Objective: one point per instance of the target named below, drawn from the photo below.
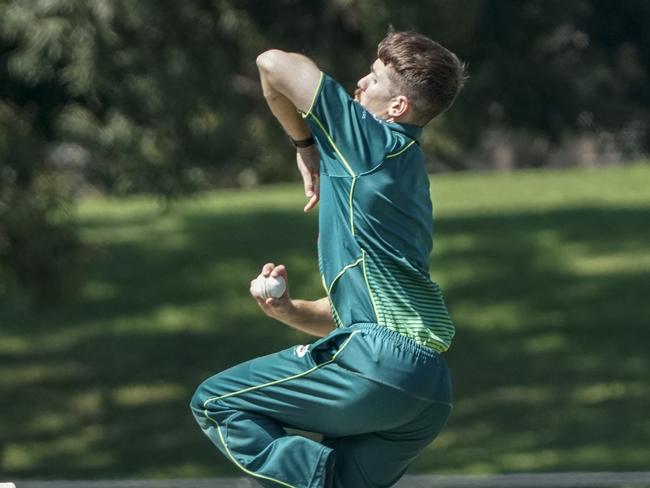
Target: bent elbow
(268, 60)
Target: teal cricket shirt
(375, 220)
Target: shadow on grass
(549, 359)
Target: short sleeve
(358, 140)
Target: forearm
(313, 317)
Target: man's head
(412, 80)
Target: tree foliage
(163, 96)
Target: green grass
(547, 276)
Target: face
(375, 92)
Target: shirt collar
(410, 130)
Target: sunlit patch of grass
(590, 264)
(496, 316)
(41, 373)
(603, 392)
(540, 189)
(150, 395)
(26, 456)
(545, 343)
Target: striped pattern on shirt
(409, 302)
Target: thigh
(310, 392)
(380, 459)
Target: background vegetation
(123, 274)
(546, 274)
(163, 97)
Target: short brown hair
(428, 74)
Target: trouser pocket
(328, 347)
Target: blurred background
(144, 182)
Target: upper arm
(293, 75)
(341, 125)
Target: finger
(309, 185)
(316, 196)
(311, 203)
(279, 270)
(306, 180)
(317, 184)
(268, 267)
(251, 290)
(315, 180)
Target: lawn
(546, 274)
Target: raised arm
(289, 82)
(292, 75)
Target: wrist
(292, 312)
(303, 143)
(308, 151)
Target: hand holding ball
(271, 287)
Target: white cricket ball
(269, 287)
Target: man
(376, 385)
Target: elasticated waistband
(406, 343)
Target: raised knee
(198, 400)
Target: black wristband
(303, 142)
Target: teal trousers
(377, 397)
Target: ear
(399, 106)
